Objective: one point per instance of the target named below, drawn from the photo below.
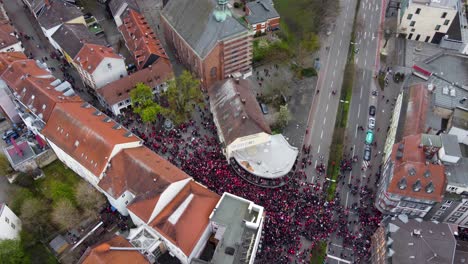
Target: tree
(88, 198)
(183, 94)
(33, 214)
(12, 252)
(65, 214)
(5, 167)
(283, 116)
(311, 43)
(143, 103)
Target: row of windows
(418, 11)
(8, 222)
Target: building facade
(10, 224)
(262, 16)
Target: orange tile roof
(85, 134)
(140, 171)
(413, 158)
(91, 55)
(188, 229)
(102, 254)
(7, 58)
(119, 90)
(140, 39)
(415, 121)
(7, 37)
(33, 87)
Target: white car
(371, 123)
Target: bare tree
(33, 213)
(65, 214)
(88, 198)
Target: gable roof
(35, 5)
(7, 58)
(115, 5)
(85, 134)
(186, 217)
(412, 176)
(195, 23)
(7, 35)
(57, 13)
(72, 37)
(236, 110)
(140, 39)
(417, 106)
(260, 11)
(141, 171)
(103, 254)
(117, 91)
(91, 55)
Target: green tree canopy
(283, 116)
(143, 103)
(12, 252)
(34, 214)
(183, 94)
(65, 214)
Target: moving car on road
(371, 123)
(367, 153)
(372, 110)
(369, 137)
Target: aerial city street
(234, 131)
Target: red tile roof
(33, 87)
(140, 171)
(418, 103)
(85, 134)
(7, 58)
(140, 39)
(119, 90)
(7, 37)
(413, 160)
(102, 254)
(91, 55)
(192, 222)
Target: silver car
(371, 123)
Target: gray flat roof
(450, 144)
(435, 244)
(231, 213)
(270, 160)
(261, 11)
(460, 118)
(195, 23)
(25, 153)
(456, 174)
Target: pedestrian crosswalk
(365, 165)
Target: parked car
(369, 137)
(264, 108)
(2, 118)
(372, 110)
(371, 123)
(367, 153)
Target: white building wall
(118, 15)
(104, 74)
(425, 22)
(462, 134)
(10, 224)
(48, 33)
(121, 202)
(447, 158)
(15, 47)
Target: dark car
(264, 108)
(367, 153)
(8, 135)
(372, 110)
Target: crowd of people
(298, 215)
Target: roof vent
(107, 119)
(399, 155)
(244, 117)
(117, 126)
(128, 134)
(401, 146)
(427, 173)
(243, 100)
(417, 186)
(416, 232)
(430, 187)
(97, 113)
(412, 171)
(402, 184)
(86, 105)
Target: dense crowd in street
(297, 209)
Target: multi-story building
(10, 224)
(118, 7)
(207, 39)
(116, 95)
(427, 20)
(9, 40)
(99, 65)
(403, 240)
(262, 16)
(247, 141)
(412, 180)
(140, 39)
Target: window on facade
(123, 195)
(452, 220)
(444, 15)
(446, 22)
(457, 214)
(409, 16)
(418, 11)
(109, 65)
(438, 213)
(213, 72)
(422, 207)
(412, 205)
(443, 208)
(412, 23)
(434, 218)
(13, 226)
(126, 202)
(7, 220)
(120, 104)
(462, 209)
(448, 202)
(403, 204)
(437, 27)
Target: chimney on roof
(244, 117)
(417, 186)
(237, 80)
(430, 187)
(402, 184)
(243, 100)
(416, 233)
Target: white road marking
(324, 120)
(331, 84)
(354, 147)
(341, 42)
(365, 34)
(357, 60)
(347, 196)
(364, 16)
(359, 110)
(360, 95)
(338, 53)
(366, 52)
(336, 63)
(315, 164)
(363, 73)
(329, 95)
(333, 72)
(321, 135)
(365, 62)
(326, 110)
(318, 150)
(355, 132)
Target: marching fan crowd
(297, 209)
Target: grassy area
(264, 50)
(319, 253)
(336, 149)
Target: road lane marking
(366, 52)
(318, 150)
(354, 147)
(329, 95)
(357, 60)
(365, 62)
(326, 110)
(359, 110)
(341, 42)
(364, 16)
(355, 132)
(360, 95)
(363, 73)
(315, 167)
(324, 120)
(338, 53)
(333, 72)
(331, 84)
(336, 63)
(321, 135)
(347, 196)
